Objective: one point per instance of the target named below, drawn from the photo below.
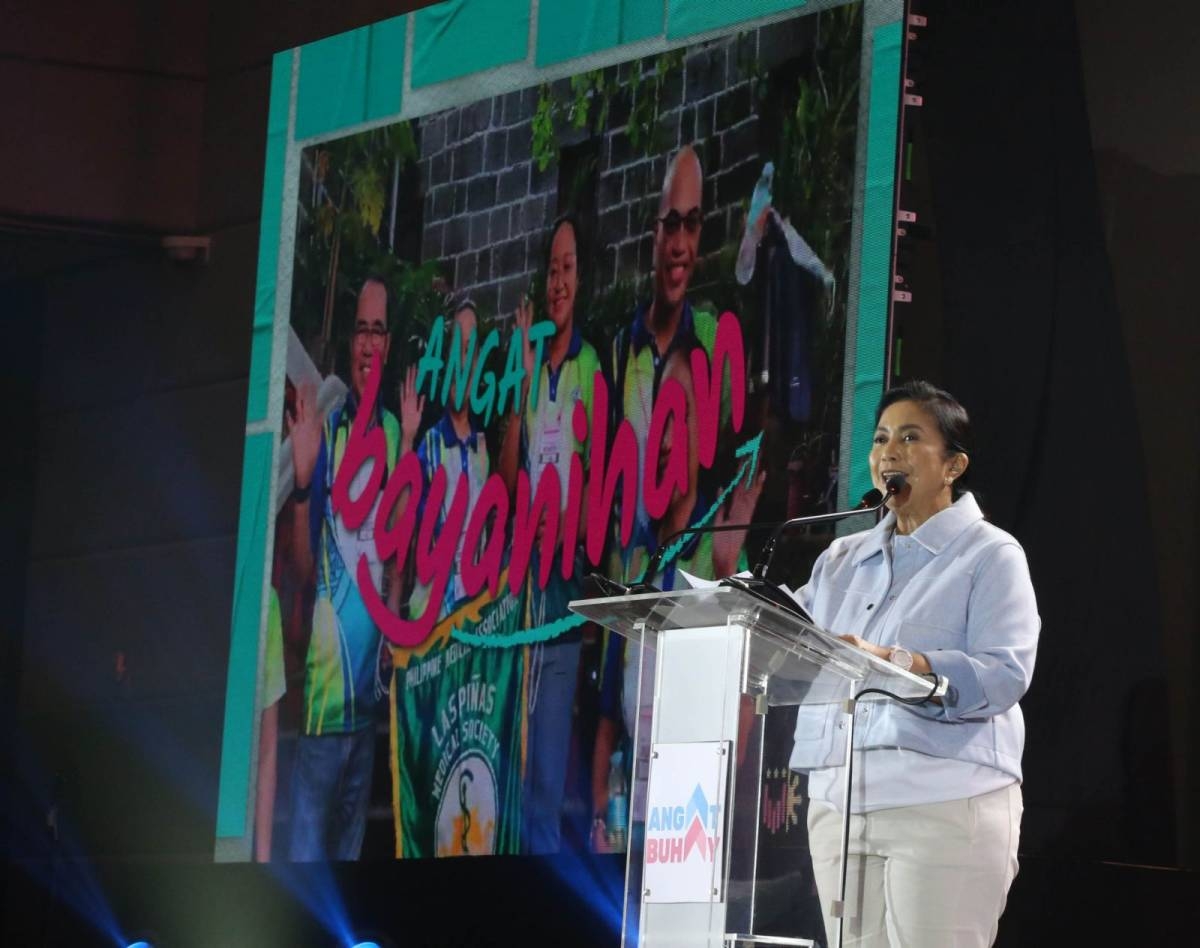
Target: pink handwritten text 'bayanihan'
(611, 475)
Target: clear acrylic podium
(704, 665)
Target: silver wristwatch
(901, 657)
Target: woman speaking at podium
(936, 795)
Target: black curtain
(22, 304)
(1033, 347)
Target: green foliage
(417, 292)
(544, 141)
(646, 101)
(348, 194)
(814, 188)
(590, 101)
(582, 181)
(584, 88)
(810, 113)
(719, 290)
(366, 189)
(814, 170)
(610, 309)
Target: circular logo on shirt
(466, 815)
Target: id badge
(550, 444)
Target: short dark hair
(459, 300)
(455, 302)
(388, 296)
(951, 418)
(566, 219)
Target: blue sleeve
(806, 595)
(422, 452)
(318, 497)
(993, 672)
(611, 672)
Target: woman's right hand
(599, 837)
(412, 409)
(305, 435)
(524, 321)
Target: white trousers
(933, 876)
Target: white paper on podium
(695, 582)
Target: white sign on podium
(685, 822)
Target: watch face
(901, 658)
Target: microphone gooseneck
(871, 502)
(871, 498)
(643, 584)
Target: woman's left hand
(920, 665)
(728, 544)
(877, 650)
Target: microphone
(872, 501)
(598, 586)
(894, 484)
(757, 584)
(643, 584)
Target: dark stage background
(1057, 165)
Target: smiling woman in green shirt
(541, 441)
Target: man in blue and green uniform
(656, 344)
(666, 327)
(335, 751)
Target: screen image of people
(530, 342)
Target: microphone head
(599, 586)
(896, 483)
(871, 498)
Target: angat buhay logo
(679, 833)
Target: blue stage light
(139, 944)
(370, 938)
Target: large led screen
(537, 293)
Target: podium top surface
(789, 657)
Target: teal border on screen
(875, 255)
(343, 83)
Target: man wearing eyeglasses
(663, 332)
(335, 751)
(665, 325)
(659, 342)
